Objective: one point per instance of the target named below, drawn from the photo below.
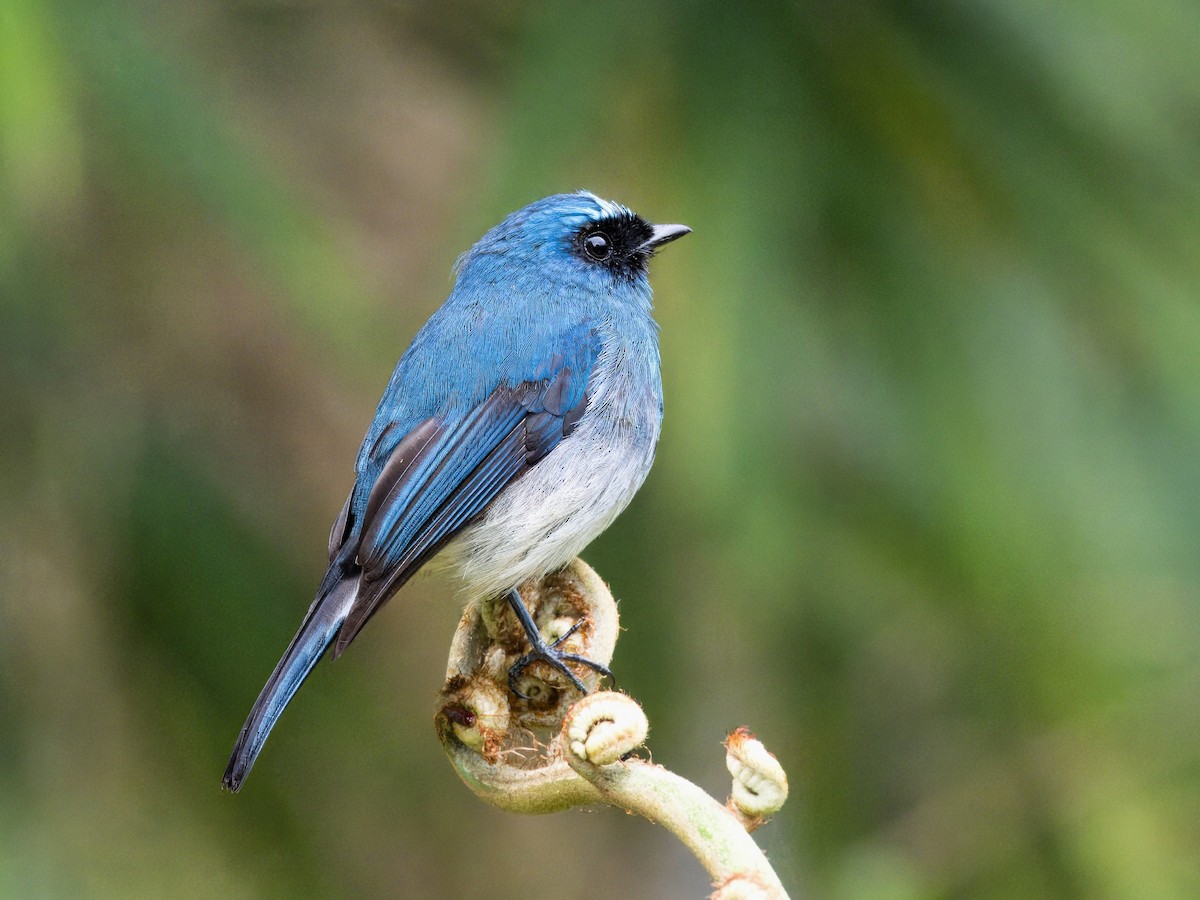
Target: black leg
(547, 653)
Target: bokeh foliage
(927, 505)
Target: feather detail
(447, 477)
(320, 627)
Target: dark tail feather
(320, 627)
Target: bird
(518, 424)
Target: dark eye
(597, 246)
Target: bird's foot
(541, 651)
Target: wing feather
(442, 475)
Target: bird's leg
(547, 653)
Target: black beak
(663, 234)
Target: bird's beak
(663, 234)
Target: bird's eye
(597, 246)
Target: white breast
(543, 520)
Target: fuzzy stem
(554, 750)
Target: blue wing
(441, 475)
(415, 491)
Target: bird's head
(577, 239)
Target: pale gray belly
(544, 519)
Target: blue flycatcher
(515, 428)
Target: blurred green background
(927, 504)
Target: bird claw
(540, 651)
(557, 660)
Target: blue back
(522, 305)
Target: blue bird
(518, 424)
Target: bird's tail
(321, 625)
